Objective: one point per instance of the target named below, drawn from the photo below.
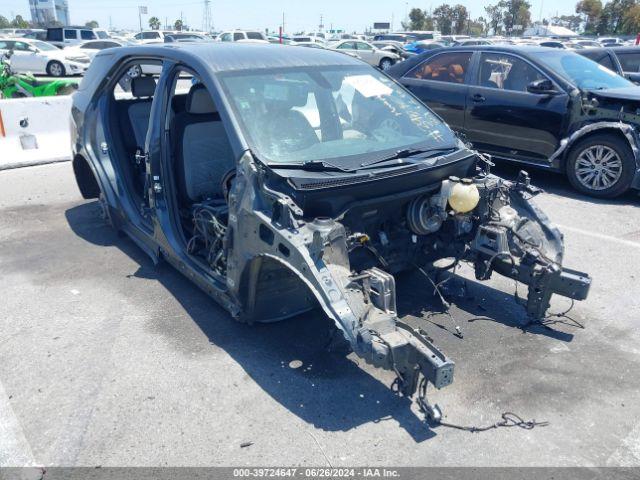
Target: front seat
(142, 88)
(202, 150)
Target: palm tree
(178, 25)
(154, 23)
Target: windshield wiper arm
(406, 153)
(313, 166)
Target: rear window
(447, 67)
(255, 36)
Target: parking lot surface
(106, 359)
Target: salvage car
(545, 107)
(282, 179)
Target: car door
(441, 81)
(366, 53)
(348, 47)
(504, 119)
(26, 59)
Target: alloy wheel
(56, 69)
(598, 167)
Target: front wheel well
(601, 131)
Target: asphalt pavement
(106, 359)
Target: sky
(299, 15)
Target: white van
(61, 36)
(254, 36)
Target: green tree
(572, 22)
(443, 15)
(515, 13)
(19, 22)
(590, 11)
(478, 26)
(631, 21)
(460, 18)
(178, 25)
(92, 24)
(4, 22)
(418, 20)
(154, 23)
(494, 18)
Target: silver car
(369, 53)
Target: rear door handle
(478, 98)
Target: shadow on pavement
(328, 389)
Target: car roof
(223, 56)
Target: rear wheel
(601, 166)
(386, 63)
(55, 69)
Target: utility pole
(283, 30)
(321, 26)
(206, 17)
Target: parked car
(63, 36)
(587, 43)
(422, 46)
(185, 37)
(253, 36)
(611, 41)
(152, 36)
(367, 52)
(308, 39)
(624, 61)
(396, 37)
(545, 107)
(34, 56)
(391, 46)
(92, 47)
(294, 182)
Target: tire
(601, 165)
(56, 69)
(386, 63)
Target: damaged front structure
(309, 180)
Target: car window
(630, 62)
(21, 46)
(347, 46)
(150, 35)
(4, 45)
(363, 46)
(238, 36)
(506, 72)
(110, 45)
(102, 34)
(225, 37)
(70, 34)
(92, 45)
(448, 67)
(603, 59)
(138, 36)
(255, 36)
(87, 35)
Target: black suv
(541, 106)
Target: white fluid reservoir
(464, 196)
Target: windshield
(102, 34)
(584, 73)
(46, 47)
(321, 113)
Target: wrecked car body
(281, 180)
